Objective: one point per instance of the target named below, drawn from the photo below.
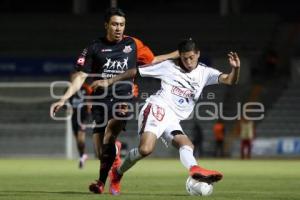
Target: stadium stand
(283, 118)
(65, 35)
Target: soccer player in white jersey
(182, 81)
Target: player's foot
(205, 175)
(97, 188)
(115, 182)
(118, 161)
(82, 160)
(114, 186)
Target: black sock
(107, 159)
(81, 148)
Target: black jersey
(105, 60)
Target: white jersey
(180, 90)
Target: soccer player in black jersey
(105, 58)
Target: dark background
(40, 41)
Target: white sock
(131, 158)
(186, 156)
(117, 149)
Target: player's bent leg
(188, 160)
(97, 141)
(81, 148)
(147, 144)
(185, 147)
(114, 127)
(180, 139)
(137, 154)
(82, 160)
(118, 161)
(97, 187)
(114, 177)
(81, 142)
(131, 158)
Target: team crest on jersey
(81, 61)
(158, 112)
(127, 49)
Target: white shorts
(158, 119)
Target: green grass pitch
(157, 179)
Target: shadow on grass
(11, 193)
(151, 194)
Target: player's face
(115, 28)
(190, 59)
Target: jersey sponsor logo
(116, 64)
(107, 75)
(158, 112)
(81, 61)
(186, 93)
(127, 49)
(106, 50)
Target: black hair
(111, 12)
(187, 45)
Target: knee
(145, 150)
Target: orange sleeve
(144, 54)
(87, 88)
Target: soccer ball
(197, 188)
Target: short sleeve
(85, 60)
(154, 70)
(144, 54)
(213, 76)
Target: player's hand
(55, 107)
(100, 83)
(234, 60)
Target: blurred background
(40, 41)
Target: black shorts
(110, 108)
(78, 121)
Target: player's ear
(106, 25)
(198, 53)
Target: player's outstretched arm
(129, 74)
(74, 87)
(160, 58)
(233, 76)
